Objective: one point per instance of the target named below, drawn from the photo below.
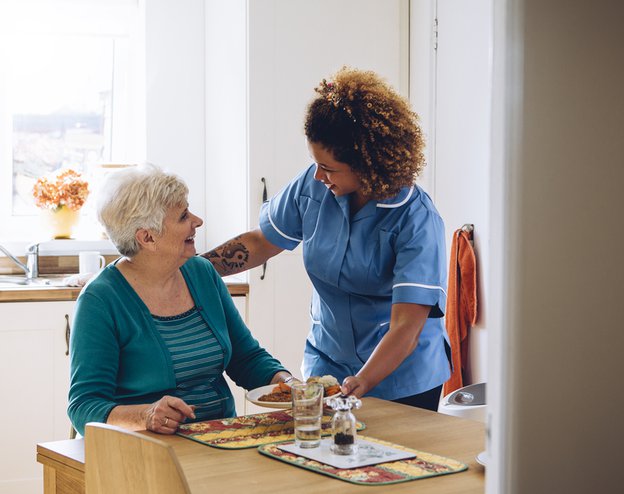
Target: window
(70, 96)
(61, 96)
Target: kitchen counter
(56, 267)
(42, 293)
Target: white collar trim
(398, 204)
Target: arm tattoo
(234, 255)
(229, 257)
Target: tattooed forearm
(234, 255)
(241, 253)
(229, 258)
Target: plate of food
(270, 396)
(279, 396)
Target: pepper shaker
(344, 428)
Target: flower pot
(61, 221)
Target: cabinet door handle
(264, 199)
(264, 190)
(67, 333)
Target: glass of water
(307, 401)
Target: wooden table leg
(61, 479)
(49, 480)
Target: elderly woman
(373, 244)
(154, 331)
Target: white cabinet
(240, 301)
(34, 379)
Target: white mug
(90, 262)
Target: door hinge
(435, 34)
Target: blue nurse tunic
(391, 251)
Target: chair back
(121, 461)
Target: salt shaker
(344, 428)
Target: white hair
(135, 198)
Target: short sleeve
(420, 268)
(280, 217)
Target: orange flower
(65, 188)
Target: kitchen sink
(10, 281)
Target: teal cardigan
(118, 357)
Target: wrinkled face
(178, 237)
(337, 176)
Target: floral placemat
(249, 431)
(423, 465)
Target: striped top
(197, 360)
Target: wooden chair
(121, 461)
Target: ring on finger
(166, 421)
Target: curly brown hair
(364, 123)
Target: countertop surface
(53, 269)
(46, 293)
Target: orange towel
(461, 305)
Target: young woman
(373, 244)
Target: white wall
(422, 79)
(175, 94)
(462, 144)
(558, 136)
(226, 120)
(451, 89)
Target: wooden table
(219, 470)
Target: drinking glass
(307, 401)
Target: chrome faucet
(31, 268)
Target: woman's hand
(165, 415)
(283, 377)
(354, 385)
(406, 324)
